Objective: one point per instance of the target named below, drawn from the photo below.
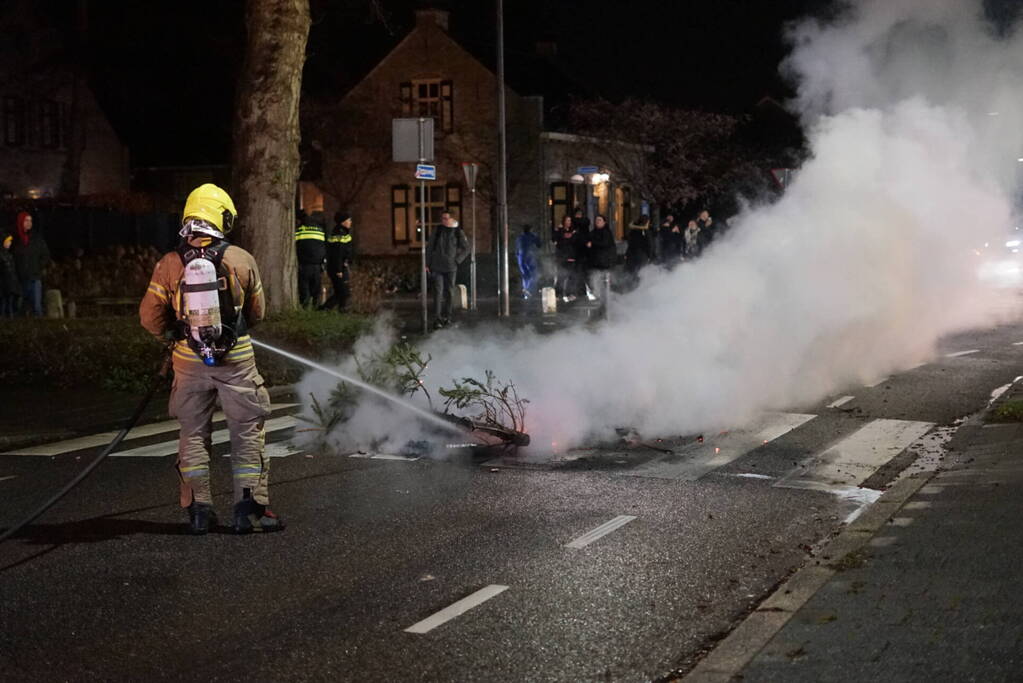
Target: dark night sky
(165, 71)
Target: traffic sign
(585, 170)
(471, 170)
(426, 172)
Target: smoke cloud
(913, 114)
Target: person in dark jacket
(340, 254)
(603, 255)
(311, 250)
(566, 248)
(708, 230)
(526, 247)
(638, 252)
(446, 248)
(9, 287)
(672, 242)
(31, 256)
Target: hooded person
(445, 249)
(31, 256)
(206, 295)
(311, 250)
(10, 288)
(340, 254)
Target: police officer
(207, 368)
(310, 248)
(340, 253)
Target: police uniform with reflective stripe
(340, 254)
(310, 248)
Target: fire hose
(165, 364)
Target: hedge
(117, 354)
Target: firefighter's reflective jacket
(159, 310)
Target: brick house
(429, 74)
(36, 88)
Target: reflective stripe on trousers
(246, 405)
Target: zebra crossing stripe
(718, 451)
(103, 438)
(852, 460)
(165, 448)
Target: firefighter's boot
(200, 515)
(251, 517)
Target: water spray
(431, 417)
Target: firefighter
(340, 253)
(311, 250)
(206, 295)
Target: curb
(732, 654)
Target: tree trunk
(266, 137)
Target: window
(14, 121)
(399, 213)
(560, 204)
(430, 98)
(405, 206)
(49, 124)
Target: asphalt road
(106, 587)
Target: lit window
(405, 210)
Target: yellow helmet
(212, 205)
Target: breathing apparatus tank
(202, 308)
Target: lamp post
(504, 305)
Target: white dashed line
(457, 609)
(1017, 343)
(877, 383)
(840, 402)
(961, 353)
(902, 521)
(881, 541)
(917, 505)
(601, 531)
(13, 476)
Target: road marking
(696, 460)
(852, 460)
(917, 505)
(961, 353)
(881, 541)
(915, 367)
(12, 476)
(165, 448)
(457, 609)
(877, 383)
(902, 521)
(103, 438)
(840, 402)
(1017, 343)
(932, 489)
(601, 531)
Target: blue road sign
(584, 170)
(426, 172)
